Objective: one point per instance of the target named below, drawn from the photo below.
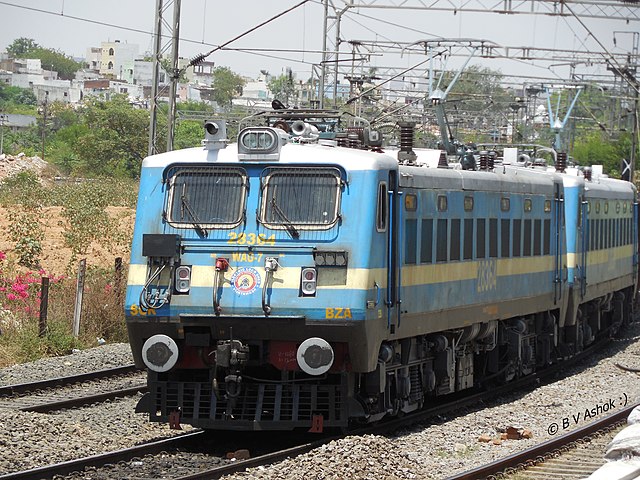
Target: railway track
(275, 450)
(574, 455)
(73, 391)
(65, 468)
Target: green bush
(24, 196)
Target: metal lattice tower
(334, 10)
(164, 29)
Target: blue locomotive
(286, 282)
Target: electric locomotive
(286, 282)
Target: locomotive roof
(512, 178)
(351, 159)
(610, 188)
(455, 179)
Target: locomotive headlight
(258, 141)
(261, 143)
(160, 353)
(183, 279)
(315, 356)
(308, 281)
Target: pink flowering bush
(20, 293)
(102, 312)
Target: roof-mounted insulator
(484, 160)
(561, 162)
(442, 161)
(353, 141)
(492, 160)
(406, 153)
(341, 139)
(355, 137)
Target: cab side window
(382, 209)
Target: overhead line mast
(162, 6)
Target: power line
(146, 32)
(247, 32)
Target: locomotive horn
(299, 127)
(304, 129)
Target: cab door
(394, 254)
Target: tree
(597, 148)
(57, 61)
(117, 140)
(226, 85)
(189, 133)
(480, 87)
(283, 87)
(13, 98)
(193, 106)
(50, 59)
(21, 46)
(61, 150)
(478, 102)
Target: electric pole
(156, 92)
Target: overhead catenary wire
(256, 52)
(632, 82)
(247, 32)
(147, 32)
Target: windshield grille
(305, 198)
(206, 197)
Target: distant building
(106, 87)
(93, 58)
(342, 91)
(202, 74)
(15, 122)
(255, 93)
(143, 73)
(57, 91)
(117, 58)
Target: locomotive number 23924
(251, 239)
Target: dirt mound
(13, 164)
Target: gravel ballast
(435, 450)
(29, 440)
(81, 361)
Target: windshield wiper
(287, 223)
(195, 222)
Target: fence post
(79, 291)
(44, 306)
(117, 280)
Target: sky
(294, 39)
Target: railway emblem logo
(245, 280)
(487, 275)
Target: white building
(117, 58)
(57, 91)
(93, 58)
(255, 93)
(143, 73)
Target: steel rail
(16, 389)
(84, 400)
(531, 454)
(65, 468)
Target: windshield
(300, 198)
(206, 197)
